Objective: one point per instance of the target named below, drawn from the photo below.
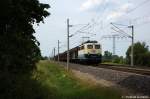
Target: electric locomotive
(88, 52)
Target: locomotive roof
(89, 42)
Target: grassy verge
(21, 86)
(63, 85)
(50, 81)
(111, 63)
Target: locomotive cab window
(97, 46)
(82, 47)
(90, 46)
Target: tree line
(141, 55)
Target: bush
(22, 87)
(141, 54)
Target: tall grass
(21, 86)
(66, 86)
(50, 81)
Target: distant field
(63, 85)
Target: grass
(21, 86)
(63, 85)
(113, 63)
(51, 81)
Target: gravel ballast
(138, 83)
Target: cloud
(126, 7)
(113, 15)
(93, 4)
(89, 4)
(121, 7)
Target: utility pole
(54, 53)
(132, 47)
(58, 50)
(51, 55)
(129, 36)
(68, 44)
(68, 36)
(114, 44)
(114, 41)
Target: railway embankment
(63, 84)
(139, 84)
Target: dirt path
(91, 79)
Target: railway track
(123, 68)
(145, 71)
(134, 78)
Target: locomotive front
(90, 52)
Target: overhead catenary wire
(113, 37)
(138, 6)
(80, 30)
(93, 24)
(121, 31)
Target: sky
(92, 18)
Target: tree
(107, 56)
(141, 54)
(118, 59)
(19, 49)
(44, 58)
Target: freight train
(89, 52)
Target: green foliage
(19, 49)
(117, 59)
(44, 58)
(66, 86)
(107, 57)
(22, 86)
(141, 54)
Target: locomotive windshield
(97, 46)
(90, 46)
(82, 47)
